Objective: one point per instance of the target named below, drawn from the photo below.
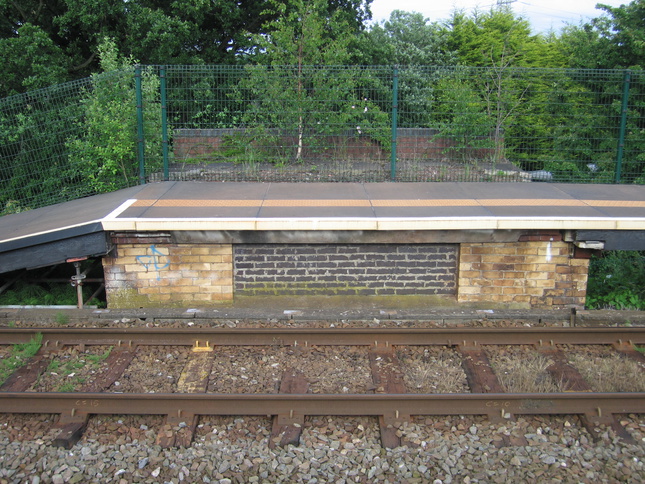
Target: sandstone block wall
(172, 275)
(538, 273)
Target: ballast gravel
(259, 369)
(226, 450)
(236, 450)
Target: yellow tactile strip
(197, 203)
(427, 203)
(495, 202)
(616, 203)
(316, 203)
(551, 202)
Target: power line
(559, 10)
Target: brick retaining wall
(412, 144)
(539, 270)
(345, 269)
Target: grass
(33, 295)
(610, 372)
(435, 373)
(69, 369)
(525, 373)
(19, 356)
(62, 319)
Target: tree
(106, 151)
(614, 40)
(499, 37)
(293, 90)
(31, 60)
(500, 44)
(64, 35)
(460, 115)
(405, 39)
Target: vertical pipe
(395, 109)
(140, 140)
(623, 124)
(164, 122)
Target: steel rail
(323, 336)
(392, 406)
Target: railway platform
(149, 228)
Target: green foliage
(96, 359)
(70, 367)
(289, 94)
(31, 60)
(105, 155)
(20, 354)
(498, 37)
(460, 114)
(613, 40)
(411, 42)
(24, 294)
(33, 161)
(405, 39)
(617, 280)
(58, 40)
(293, 104)
(62, 319)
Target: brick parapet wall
(538, 272)
(338, 269)
(149, 275)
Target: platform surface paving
(330, 206)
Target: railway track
(388, 400)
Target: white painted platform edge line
(120, 209)
(58, 229)
(429, 223)
(387, 219)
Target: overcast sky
(543, 14)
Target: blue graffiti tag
(153, 261)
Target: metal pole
(140, 140)
(395, 108)
(164, 122)
(623, 124)
(77, 281)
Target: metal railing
(322, 123)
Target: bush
(617, 280)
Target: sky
(543, 15)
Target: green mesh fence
(306, 124)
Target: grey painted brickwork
(345, 269)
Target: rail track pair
(290, 407)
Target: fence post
(623, 124)
(395, 108)
(140, 140)
(164, 122)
